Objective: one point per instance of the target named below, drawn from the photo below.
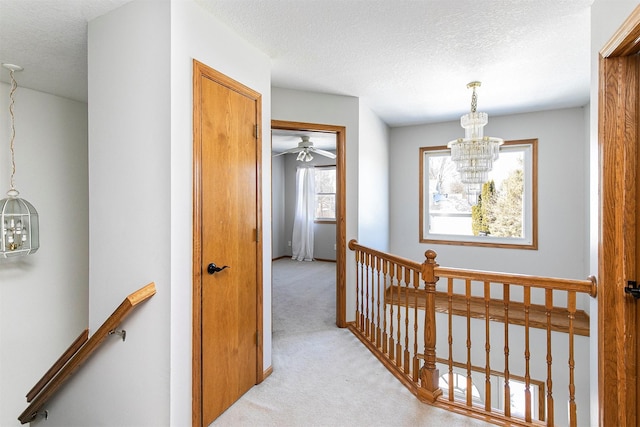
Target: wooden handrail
(55, 368)
(404, 262)
(587, 286)
(60, 372)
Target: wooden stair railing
(398, 307)
(386, 325)
(78, 353)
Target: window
(504, 214)
(459, 384)
(517, 390)
(325, 193)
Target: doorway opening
(323, 134)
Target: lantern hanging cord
(14, 86)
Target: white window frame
(327, 220)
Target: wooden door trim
(618, 133)
(341, 234)
(201, 70)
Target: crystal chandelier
(474, 154)
(18, 217)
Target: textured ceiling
(409, 60)
(49, 39)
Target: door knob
(212, 268)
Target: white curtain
(302, 241)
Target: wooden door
(619, 134)
(227, 261)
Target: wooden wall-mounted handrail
(55, 368)
(67, 364)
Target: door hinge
(257, 235)
(256, 131)
(257, 338)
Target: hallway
(323, 375)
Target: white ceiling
(409, 60)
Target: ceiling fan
(304, 150)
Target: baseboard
(315, 259)
(267, 372)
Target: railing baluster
(366, 297)
(507, 389)
(374, 286)
(398, 350)
(450, 338)
(527, 356)
(548, 305)
(416, 362)
(385, 272)
(487, 347)
(467, 294)
(407, 284)
(392, 344)
(573, 411)
(358, 286)
(378, 335)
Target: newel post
(429, 389)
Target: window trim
(461, 368)
(335, 195)
(532, 200)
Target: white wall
(279, 241)
(43, 296)
(562, 208)
(606, 17)
(127, 383)
(373, 193)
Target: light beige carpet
(323, 375)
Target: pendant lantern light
(18, 217)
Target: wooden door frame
(201, 70)
(341, 234)
(618, 133)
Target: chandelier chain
(14, 86)
(474, 101)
